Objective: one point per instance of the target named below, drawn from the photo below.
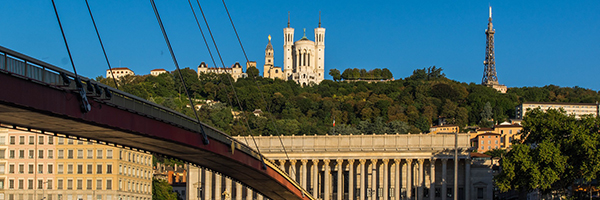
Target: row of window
(135, 172)
(60, 169)
(60, 184)
(135, 158)
(135, 187)
(41, 140)
(68, 196)
(61, 154)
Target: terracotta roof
(488, 133)
(485, 129)
(449, 125)
(119, 68)
(511, 125)
(559, 103)
(155, 70)
(479, 155)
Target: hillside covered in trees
(406, 105)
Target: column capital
(315, 161)
(385, 161)
(351, 161)
(339, 160)
(282, 161)
(373, 160)
(396, 160)
(444, 160)
(326, 161)
(433, 159)
(409, 161)
(304, 161)
(420, 160)
(362, 161)
(293, 161)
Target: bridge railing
(33, 69)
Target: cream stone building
(362, 167)
(577, 109)
(156, 72)
(119, 72)
(46, 167)
(235, 70)
(303, 60)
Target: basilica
(303, 60)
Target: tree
(252, 72)
(335, 74)
(486, 115)
(557, 150)
(161, 190)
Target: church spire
(288, 19)
(319, 19)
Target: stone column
(259, 197)
(397, 179)
(315, 178)
(421, 179)
(373, 178)
(282, 165)
(229, 192)
(208, 184)
(238, 191)
(351, 179)
(340, 181)
(444, 177)
(409, 183)
(362, 178)
(218, 190)
(468, 178)
(432, 179)
(303, 175)
(327, 182)
(292, 170)
(385, 179)
(249, 194)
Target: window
(21, 169)
(109, 168)
(11, 184)
(70, 184)
(70, 169)
(50, 154)
(59, 184)
(50, 170)
(30, 184)
(99, 169)
(12, 140)
(109, 154)
(99, 184)
(89, 169)
(30, 169)
(50, 140)
(61, 140)
(40, 184)
(79, 169)
(49, 184)
(41, 140)
(21, 153)
(79, 153)
(31, 140)
(99, 155)
(2, 171)
(60, 168)
(31, 153)
(21, 183)
(496, 141)
(21, 139)
(89, 184)
(41, 154)
(2, 153)
(11, 154)
(489, 142)
(70, 141)
(70, 154)
(482, 148)
(479, 193)
(11, 169)
(40, 169)
(2, 140)
(90, 153)
(482, 142)
(108, 184)
(61, 153)
(79, 142)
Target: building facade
(156, 72)
(58, 168)
(119, 72)
(415, 166)
(303, 60)
(235, 70)
(577, 109)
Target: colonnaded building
(363, 167)
(303, 60)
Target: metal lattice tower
(489, 72)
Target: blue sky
(537, 42)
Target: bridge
(39, 96)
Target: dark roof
(479, 155)
(269, 46)
(488, 133)
(510, 125)
(485, 129)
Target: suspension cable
(101, 44)
(259, 88)
(65, 39)
(162, 28)
(202, 32)
(232, 87)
